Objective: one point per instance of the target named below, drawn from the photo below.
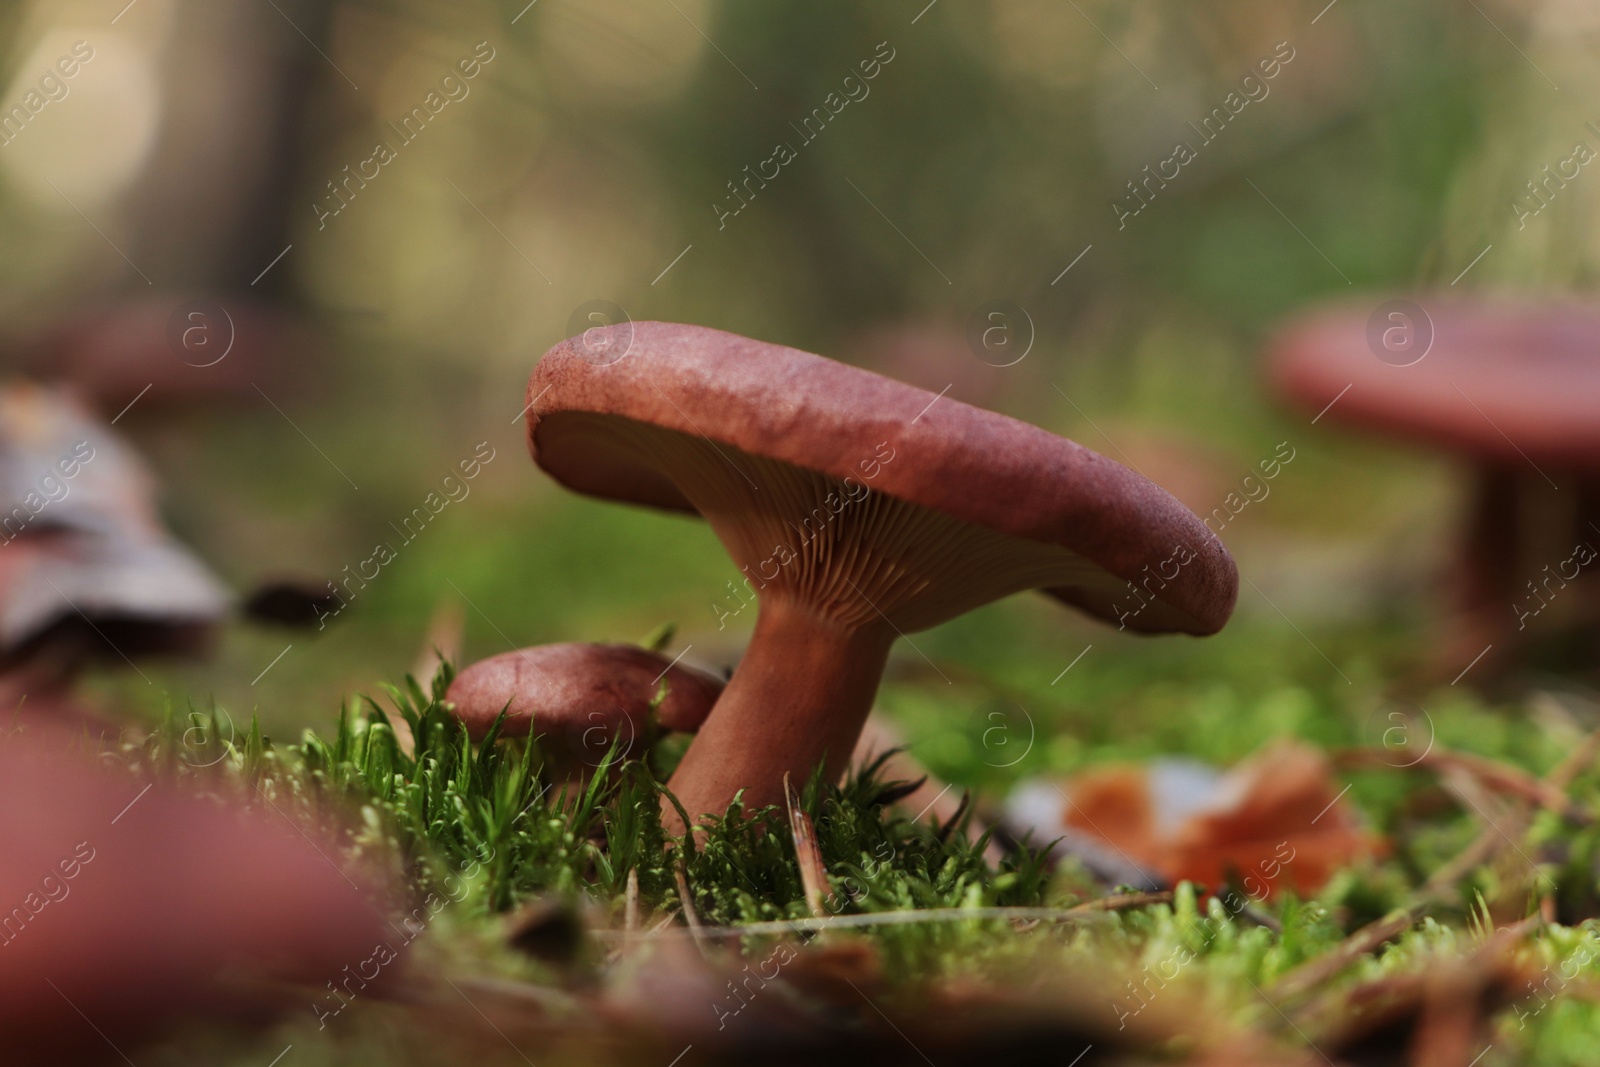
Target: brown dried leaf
(813, 874)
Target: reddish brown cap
(1505, 382)
(187, 351)
(125, 906)
(578, 698)
(774, 446)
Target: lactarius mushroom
(579, 699)
(1512, 388)
(857, 509)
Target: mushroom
(857, 509)
(1512, 388)
(125, 906)
(577, 699)
(188, 354)
(87, 568)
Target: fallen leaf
(1276, 819)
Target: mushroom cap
(1010, 506)
(1503, 382)
(141, 905)
(579, 697)
(114, 352)
(86, 558)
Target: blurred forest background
(587, 161)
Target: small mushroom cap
(1504, 382)
(579, 697)
(987, 505)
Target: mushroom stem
(799, 698)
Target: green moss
(489, 810)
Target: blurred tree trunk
(212, 209)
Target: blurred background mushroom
(134, 906)
(199, 160)
(88, 572)
(1512, 388)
